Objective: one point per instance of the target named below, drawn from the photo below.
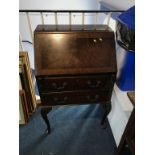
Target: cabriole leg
(107, 107)
(44, 112)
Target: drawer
(55, 84)
(75, 97)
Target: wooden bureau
(74, 65)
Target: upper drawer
(50, 84)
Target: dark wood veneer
(76, 97)
(75, 65)
(74, 52)
(48, 84)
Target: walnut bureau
(74, 65)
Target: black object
(71, 11)
(125, 29)
(125, 37)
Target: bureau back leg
(44, 112)
(104, 121)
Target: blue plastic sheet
(127, 18)
(125, 35)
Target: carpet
(76, 130)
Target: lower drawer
(76, 97)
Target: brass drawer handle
(59, 87)
(96, 85)
(57, 100)
(100, 39)
(93, 99)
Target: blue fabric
(128, 18)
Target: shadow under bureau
(74, 65)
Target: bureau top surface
(74, 50)
(68, 28)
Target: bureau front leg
(44, 112)
(107, 107)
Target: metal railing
(55, 12)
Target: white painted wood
(70, 18)
(83, 14)
(56, 18)
(96, 18)
(42, 18)
(20, 42)
(108, 18)
(29, 25)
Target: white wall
(59, 4)
(73, 4)
(119, 4)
